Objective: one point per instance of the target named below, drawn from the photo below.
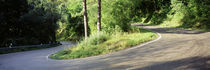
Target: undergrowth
(104, 43)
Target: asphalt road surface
(177, 49)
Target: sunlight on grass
(170, 24)
(104, 43)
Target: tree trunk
(85, 19)
(99, 16)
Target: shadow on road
(194, 63)
(169, 30)
(176, 31)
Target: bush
(96, 38)
(104, 43)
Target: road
(178, 49)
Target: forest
(30, 22)
(104, 34)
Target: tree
(99, 16)
(85, 18)
(10, 28)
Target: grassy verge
(105, 43)
(12, 50)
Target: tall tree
(85, 18)
(99, 16)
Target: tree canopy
(26, 22)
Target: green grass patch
(104, 43)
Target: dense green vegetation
(104, 43)
(9, 27)
(181, 13)
(27, 22)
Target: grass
(105, 43)
(12, 50)
(176, 21)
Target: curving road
(178, 49)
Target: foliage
(10, 28)
(115, 14)
(197, 14)
(29, 21)
(181, 13)
(71, 25)
(43, 21)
